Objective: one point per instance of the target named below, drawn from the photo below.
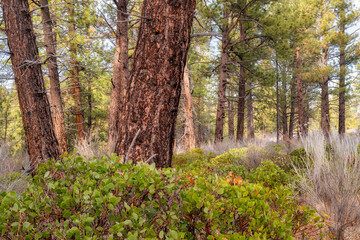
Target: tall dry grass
(330, 183)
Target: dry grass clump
(330, 183)
(90, 147)
(221, 147)
(13, 168)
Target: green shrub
(104, 199)
(193, 155)
(269, 174)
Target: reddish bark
(55, 93)
(75, 76)
(40, 137)
(121, 71)
(153, 92)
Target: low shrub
(104, 199)
(270, 174)
(193, 155)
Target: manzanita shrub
(103, 199)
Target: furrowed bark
(121, 71)
(153, 92)
(40, 138)
(55, 93)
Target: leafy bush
(77, 199)
(269, 174)
(193, 155)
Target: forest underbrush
(253, 191)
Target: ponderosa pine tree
(121, 71)
(147, 122)
(41, 141)
(55, 93)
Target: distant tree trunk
(231, 116)
(293, 101)
(41, 141)
(300, 93)
(89, 98)
(242, 92)
(6, 122)
(220, 113)
(75, 75)
(277, 103)
(55, 93)
(121, 71)
(147, 120)
(342, 87)
(190, 141)
(284, 107)
(250, 115)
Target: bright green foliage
(191, 156)
(78, 199)
(269, 174)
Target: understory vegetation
(249, 192)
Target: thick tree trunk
(55, 93)
(121, 71)
(300, 93)
(75, 75)
(250, 115)
(342, 87)
(189, 141)
(147, 121)
(41, 141)
(231, 116)
(220, 113)
(242, 93)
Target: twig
(131, 146)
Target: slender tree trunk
(342, 87)
(324, 84)
(55, 93)
(6, 122)
(242, 93)
(300, 93)
(231, 116)
(89, 98)
(190, 141)
(121, 71)
(250, 115)
(277, 103)
(75, 75)
(40, 138)
(220, 114)
(147, 121)
(284, 106)
(293, 101)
